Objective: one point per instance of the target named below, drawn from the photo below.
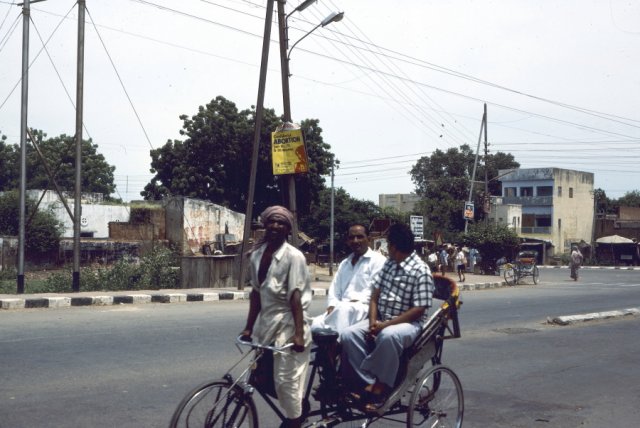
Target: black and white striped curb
(63, 301)
(594, 267)
(163, 297)
(593, 316)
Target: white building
(95, 215)
(402, 202)
(557, 204)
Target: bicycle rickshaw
(428, 392)
(525, 265)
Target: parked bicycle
(427, 395)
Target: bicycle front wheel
(510, 276)
(216, 404)
(437, 400)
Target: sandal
(375, 395)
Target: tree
(213, 162)
(42, 231)
(347, 211)
(443, 181)
(603, 203)
(59, 153)
(492, 241)
(630, 199)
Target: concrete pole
(77, 209)
(473, 174)
(256, 140)
(286, 101)
(331, 227)
(486, 167)
(23, 145)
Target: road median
(593, 316)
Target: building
(95, 217)
(557, 204)
(402, 202)
(509, 215)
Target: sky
(391, 82)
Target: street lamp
(333, 17)
(286, 98)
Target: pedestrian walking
(575, 262)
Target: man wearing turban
(279, 301)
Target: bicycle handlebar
(255, 345)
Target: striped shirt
(403, 286)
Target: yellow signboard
(287, 152)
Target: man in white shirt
(350, 291)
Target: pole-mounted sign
(416, 223)
(468, 211)
(288, 154)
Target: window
(509, 191)
(559, 223)
(528, 220)
(571, 192)
(526, 191)
(544, 191)
(559, 191)
(543, 221)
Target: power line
(436, 68)
(120, 79)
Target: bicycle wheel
(437, 400)
(215, 404)
(536, 274)
(510, 276)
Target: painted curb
(592, 267)
(579, 318)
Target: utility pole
(475, 165)
(486, 204)
(77, 209)
(286, 101)
(23, 145)
(331, 230)
(256, 140)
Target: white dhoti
(290, 375)
(343, 315)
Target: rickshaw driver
(278, 308)
(402, 293)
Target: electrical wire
(135, 111)
(35, 58)
(44, 46)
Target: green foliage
(443, 180)
(214, 161)
(630, 199)
(154, 271)
(42, 230)
(59, 154)
(492, 242)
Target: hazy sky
(393, 81)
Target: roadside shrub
(159, 269)
(43, 230)
(154, 271)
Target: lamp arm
(301, 39)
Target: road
(127, 366)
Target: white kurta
(288, 272)
(350, 292)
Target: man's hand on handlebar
(298, 343)
(245, 336)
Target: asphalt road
(128, 366)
